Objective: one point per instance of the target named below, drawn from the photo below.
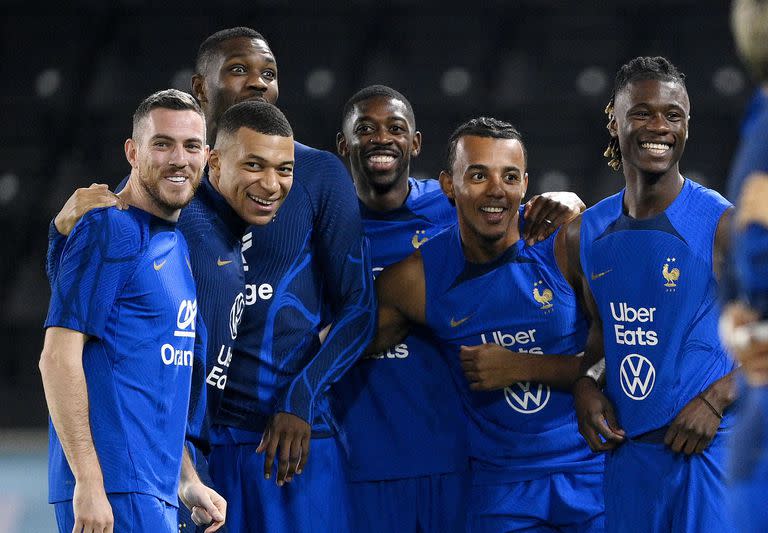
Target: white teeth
(492, 209)
(656, 148)
(261, 200)
(381, 159)
(177, 179)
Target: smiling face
(253, 172)
(651, 123)
(379, 138)
(242, 69)
(168, 155)
(487, 182)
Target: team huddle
(455, 357)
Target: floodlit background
(70, 84)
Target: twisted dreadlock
(640, 68)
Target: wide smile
(493, 214)
(266, 205)
(381, 161)
(656, 148)
(177, 179)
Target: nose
(658, 122)
(257, 82)
(494, 187)
(381, 136)
(270, 182)
(178, 156)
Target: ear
(341, 145)
(198, 88)
(612, 128)
(446, 184)
(525, 185)
(131, 153)
(214, 168)
(416, 148)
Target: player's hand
(490, 366)
(747, 348)
(93, 513)
(596, 417)
(82, 201)
(207, 505)
(751, 205)
(287, 437)
(693, 428)
(546, 212)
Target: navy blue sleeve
(56, 243)
(197, 426)
(344, 260)
(99, 257)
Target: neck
(388, 200)
(647, 195)
(478, 249)
(136, 195)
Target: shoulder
(311, 161)
(120, 232)
(702, 193)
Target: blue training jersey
(213, 231)
(656, 293)
(312, 257)
(522, 302)
(124, 280)
(398, 409)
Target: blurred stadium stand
(70, 83)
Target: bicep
(400, 291)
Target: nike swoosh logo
(221, 263)
(601, 274)
(456, 323)
(157, 265)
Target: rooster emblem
(419, 238)
(670, 275)
(545, 297)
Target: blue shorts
(428, 504)
(649, 488)
(133, 513)
(557, 502)
(317, 500)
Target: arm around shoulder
(401, 292)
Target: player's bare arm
(595, 413)
(697, 423)
(61, 367)
(491, 367)
(546, 212)
(82, 201)
(401, 293)
(207, 506)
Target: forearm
(188, 472)
(67, 396)
(351, 332)
(558, 371)
(722, 393)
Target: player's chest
(517, 306)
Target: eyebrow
(269, 58)
(484, 167)
(162, 136)
(262, 160)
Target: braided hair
(640, 68)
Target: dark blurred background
(70, 83)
